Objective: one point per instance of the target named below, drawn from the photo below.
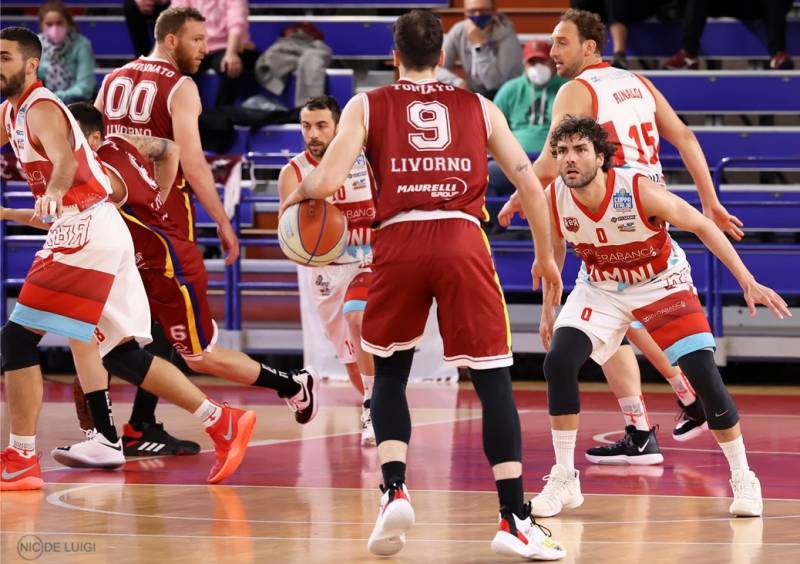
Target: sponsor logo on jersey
(361, 161)
(446, 190)
(629, 226)
(571, 224)
(323, 285)
(622, 218)
(622, 200)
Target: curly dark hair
(588, 128)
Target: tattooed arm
(165, 156)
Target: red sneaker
(19, 473)
(230, 434)
(681, 61)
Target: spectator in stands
(619, 15)
(140, 17)
(300, 48)
(486, 45)
(67, 63)
(231, 53)
(773, 12)
(527, 103)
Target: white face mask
(539, 74)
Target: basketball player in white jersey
(635, 115)
(339, 290)
(631, 270)
(82, 285)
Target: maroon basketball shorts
(180, 305)
(448, 260)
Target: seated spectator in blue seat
(527, 103)
(231, 53)
(773, 12)
(67, 64)
(486, 45)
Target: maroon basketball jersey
(157, 239)
(136, 98)
(426, 142)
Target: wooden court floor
(309, 494)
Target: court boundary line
(56, 500)
(408, 540)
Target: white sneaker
(95, 452)
(562, 491)
(747, 500)
(305, 402)
(395, 517)
(525, 538)
(367, 432)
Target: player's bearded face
(191, 47)
(12, 73)
(318, 130)
(577, 162)
(567, 50)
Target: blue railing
(233, 285)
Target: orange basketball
(312, 233)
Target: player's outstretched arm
(572, 99)
(165, 156)
(671, 128)
(657, 202)
(343, 151)
(185, 107)
(49, 129)
(23, 217)
(512, 158)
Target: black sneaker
(691, 422)
(150, 439)
(636, 447)
(304, 403)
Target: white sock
(208, 412)
(564, 446)
(736, 454)
(369, 383)
(24, 445)
(634, 412)
(683, 389)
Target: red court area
(446, 446)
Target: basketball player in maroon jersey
(175, 278)
(427, 144)
(636, 115)
(153, 96)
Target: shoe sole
(573, 505)
(694, 433)
(63, 457)
(315, 399)
(25, 484)
(743, 512)
(238, 448)
(624, 459)
(397, 519)
(503, 545)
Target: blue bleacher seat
(725, 141)
(730, 92)
(722, 38)
(340, 85)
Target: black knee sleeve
(129, 361)
(704, 376)
(18, 346)
(569, 350)
(388, 406)
(502, 437)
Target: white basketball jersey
(618, 246)
(90, 184)
(356, 200)
(626, 108)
